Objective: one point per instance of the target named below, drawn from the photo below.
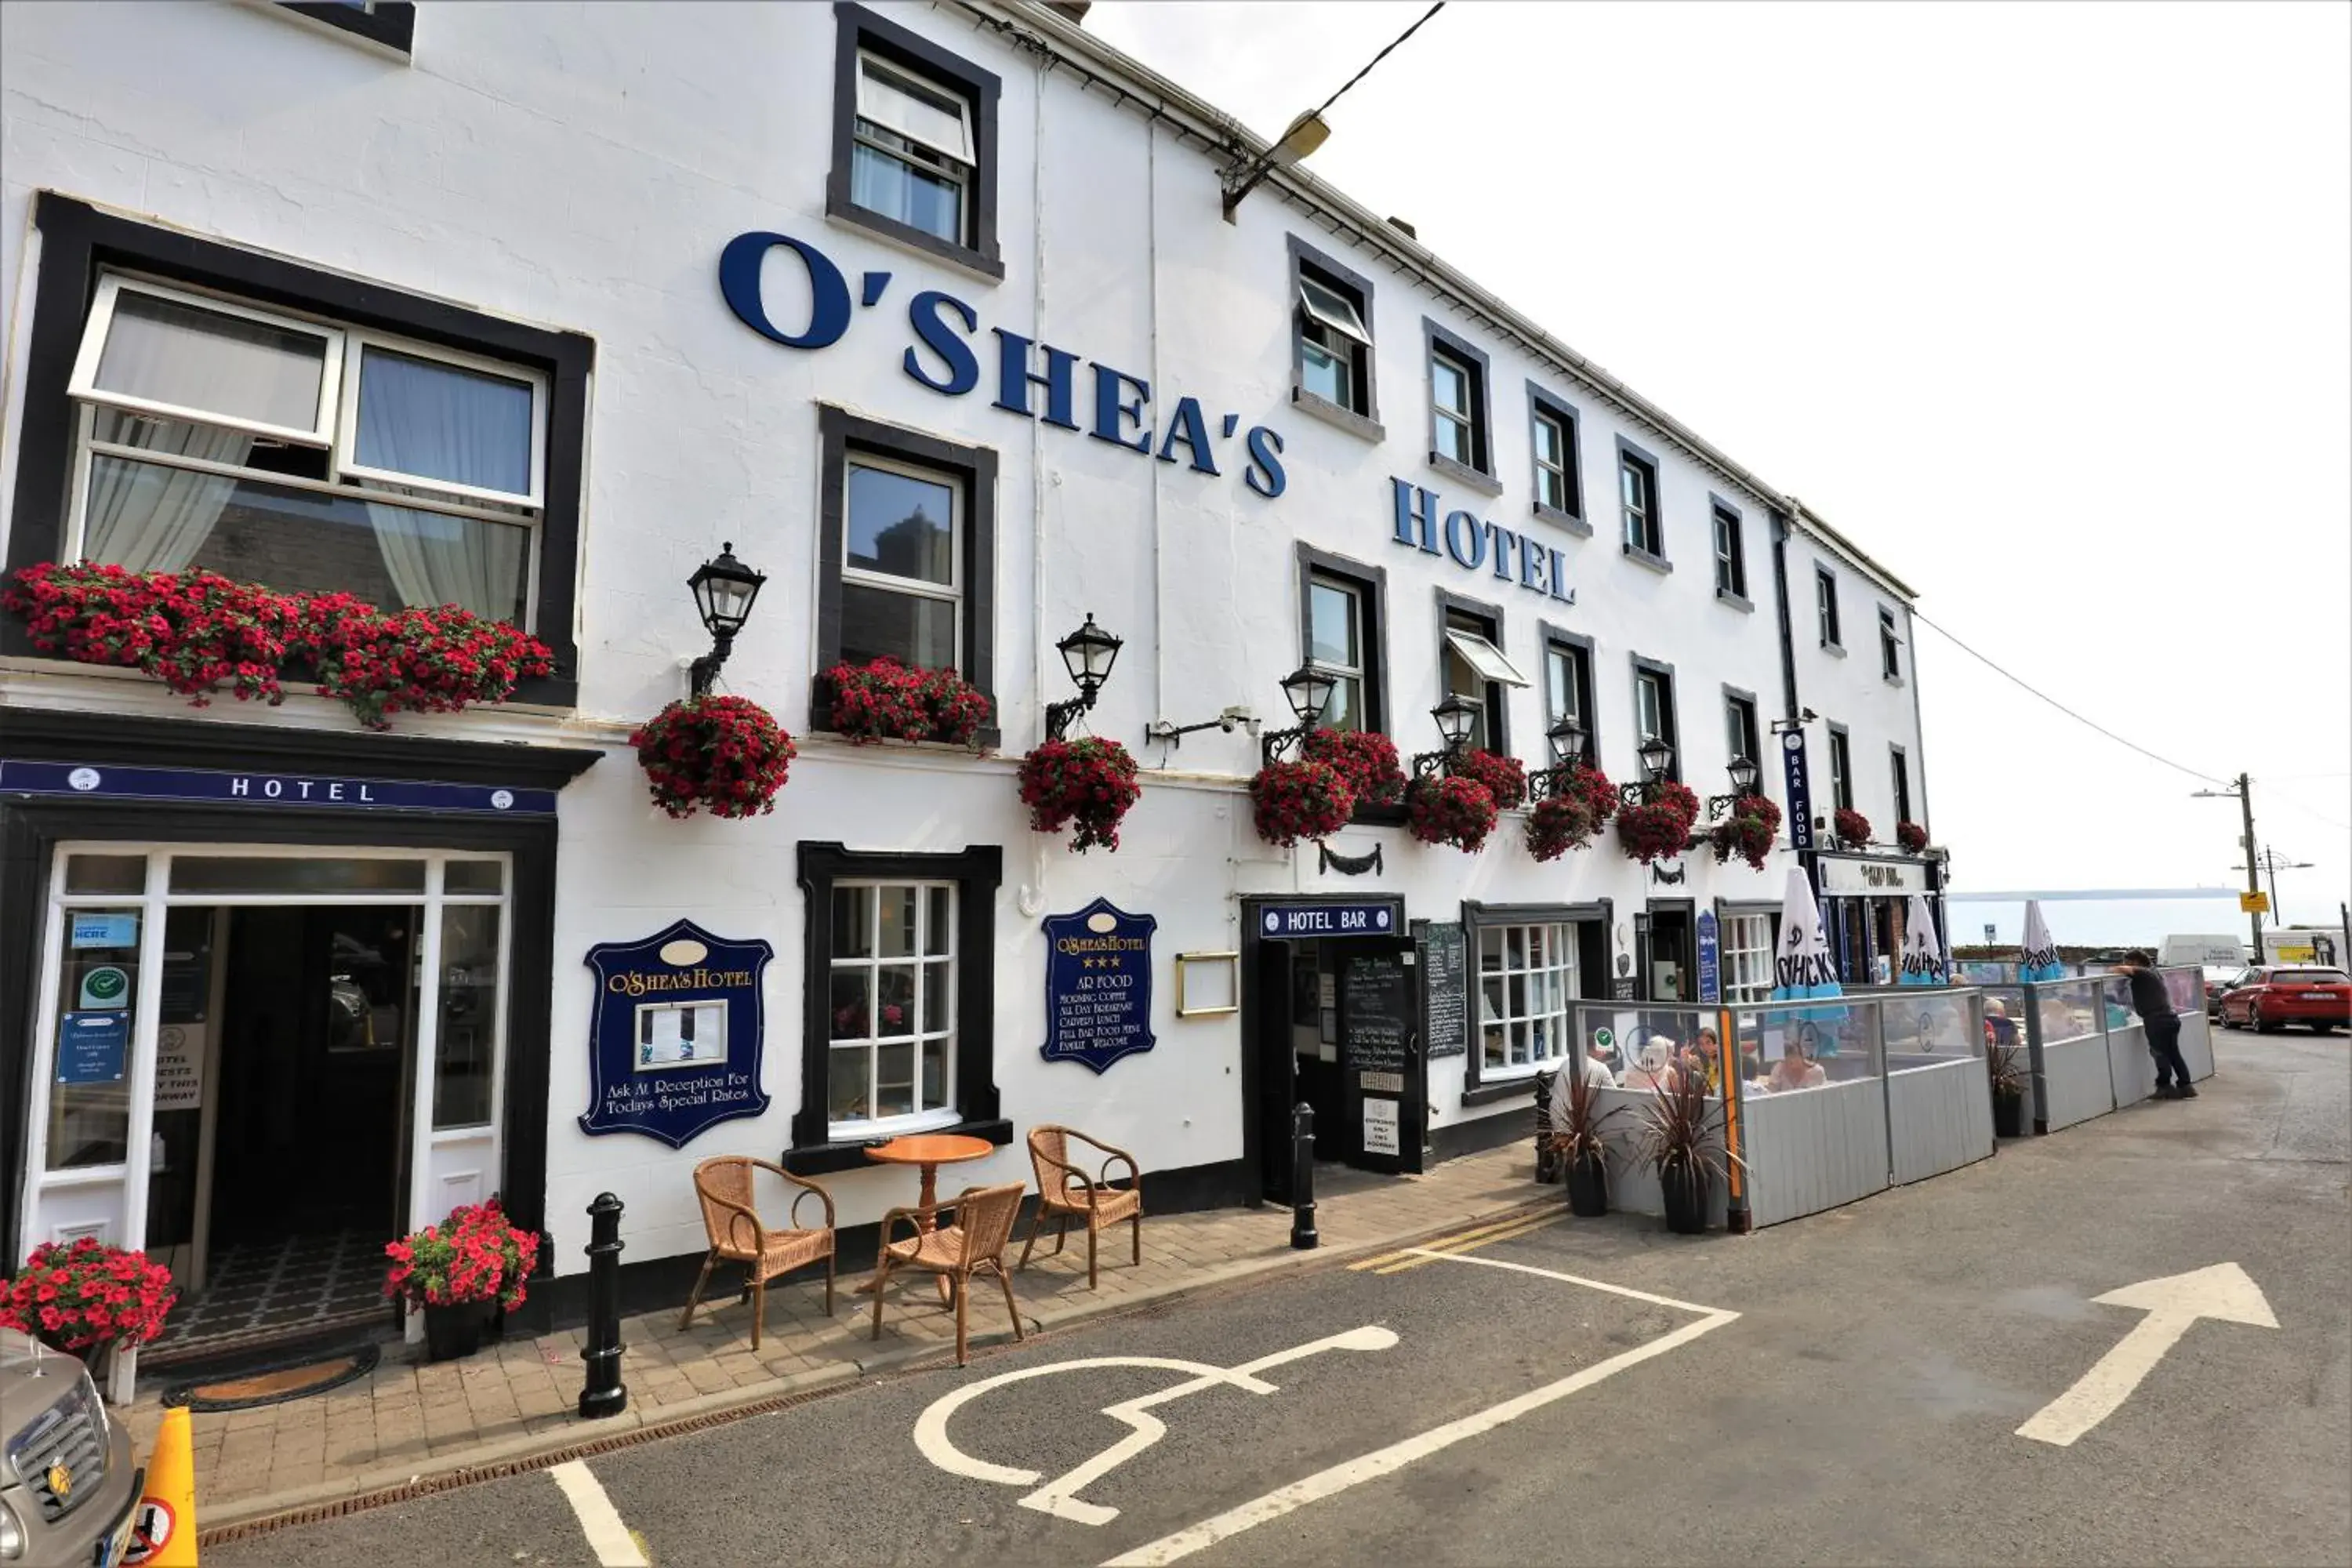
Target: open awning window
(898, 102)
(1329, 308)
(1484, 657)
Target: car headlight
(12, 1535)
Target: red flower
(1305, 799)
(1558, 824)
(1750, 833)
(1366, 759)
(1660, 825)
(1452, 809)
(1852, 828)
(75, 1295)
(1088, 781)
(883, 700)
(1911, 836)
(1506, 778)
(725, 754)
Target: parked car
(68, 1486)
(2219, 979)
(2270, 997)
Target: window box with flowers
(1366, 759)
(883, 700)
(1911, 838)
(1506, 778)
(1851, 828)
(86, 1297)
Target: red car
(2269, 999)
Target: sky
(2048, 307)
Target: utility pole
(2245, 790)
(2273, 864)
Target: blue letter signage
(1097, 986)
(673, 1041)
(259, 789)
(1800, 789)
(1471, 541)
(1710, 959)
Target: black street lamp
(1087, 654)
(724, 589)
(1455, 717)
(1566, 739)
(1308, 690)
(1657, 755)
(1743, 773)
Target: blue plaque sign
(93, 1047)
(269, 789)
(1800, 789)
(1328, 920)
(1097, 986)
(1710, 959)
(675, 1038)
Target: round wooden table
(929, 1152)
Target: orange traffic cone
(163, 1531)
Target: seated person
(1596, 1067)
(1795, 1070)
(1705, 1058)
(1655, 1068)
(2001, 1029)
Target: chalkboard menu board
(1376, 1012)
(1444, 987)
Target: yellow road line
(1421, 1256)
(1458, 1235)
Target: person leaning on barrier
(2153, 1003)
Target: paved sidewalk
(410, 1420)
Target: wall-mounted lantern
(724, 590)
(1087, 654)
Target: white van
(2220, 952)
(2304, 944)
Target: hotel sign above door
(224, 787)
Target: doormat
(252, 1387)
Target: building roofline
(1035, 25)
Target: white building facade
(932, 314)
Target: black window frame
(1372, 586)
(1730, 567)
(841, 434)
(1841, 768)
(977, 872)
(1472, 361)
(79, 241)
(1899, 771)
(1580, 651)
(389, 25)
(1660, 670)
(1827, 618)
(1487, 622)
(1652, 553)
(1750, 727)
(1542, 405)
(857, 29)
(1890, 648)
(1592, 923)
(1326, 271)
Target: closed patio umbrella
(2040, 961)
(1925, 961)
(1803, 970)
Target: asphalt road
(1844, 1389)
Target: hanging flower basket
(1911, 838)
(1558, 824)
(198, 633)
(1506, 778)
(1660, 825)
(74, 1297)
(1300, 800)
(1591, 788)
(1365, 759)
(1853, 829)
(883, 700)
(1455, 810)
(1754, 825)
(1088, 781)
(726, 756)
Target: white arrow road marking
(600, 1521)
(1059, 1497)
(1397, 1456)
(2171, 1303)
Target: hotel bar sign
(209, 786)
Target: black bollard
(603, 1395)
(1547, 1163)
(1302, 1177)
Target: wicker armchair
(977, 1240)
(1066, 1193)
(738, 1235)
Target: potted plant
(1911, 838)
(1088, 781)
(1748, 832)
(883, 700)
(1451, 810)
(460, 1271)
(1852, 828)
(2005, 1065)
(726, 756)
(1676, 1128)
(85, 1297)
(1558, 824)
(1660, 825)
(1292, 800)
(1506, 778)
(1365, 759)
(1577, 1119)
